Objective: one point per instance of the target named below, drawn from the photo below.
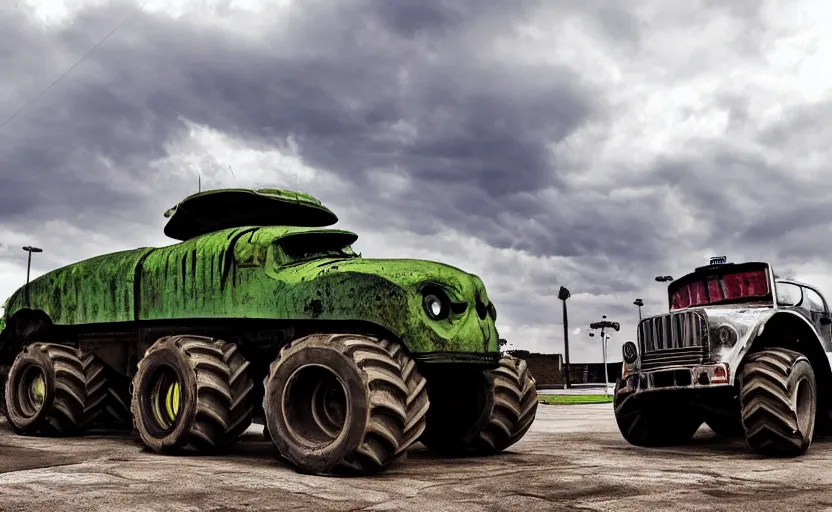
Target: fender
(812, 347)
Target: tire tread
(223, 411)
(768, 417)
(515, 406)
(398, 400)
(80, 389)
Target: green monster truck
(358, 358)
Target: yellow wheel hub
(165, 398)
(38, 390)
(172, 398)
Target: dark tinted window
(724, 287)
(317, 245)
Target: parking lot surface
(572, 459)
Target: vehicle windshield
(734, 284)
(306, 246)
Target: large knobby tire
(344, 403)
(4, 375)
(655, 419)
(191, 394)
(778, 398)
(117, 406)
(54, 389)
(115, 411)
(482, 412)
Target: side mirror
(630, 352)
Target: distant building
(548, 370)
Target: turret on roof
(214, 210)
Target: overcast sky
(593, 145)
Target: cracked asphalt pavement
(572, 459)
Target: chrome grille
(673, 339)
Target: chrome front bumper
(704, 376)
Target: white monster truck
(741, 350)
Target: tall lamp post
(30, 250)
(639, 303)
(564, 294)
(604, 325)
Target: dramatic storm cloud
(536, 144)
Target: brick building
(548, 370)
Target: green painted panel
(275, 272)
(243, 273)
(96, 290)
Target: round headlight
(630, 352)
(727, 335)
(433, 306)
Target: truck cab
(809, 302)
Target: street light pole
(604, 355)
(30, 250)
(603, 325)
(639, 303)
(564, 294)
(606, 371)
